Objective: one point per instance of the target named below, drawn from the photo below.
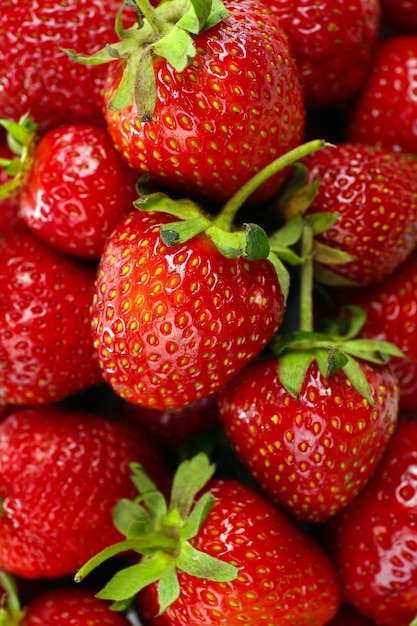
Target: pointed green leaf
(292, 370)
(257, 244)
(331, 256)
(178, 232)
(127, 582)
(321, 222)
(414, 622)
(191, 476)
(102, 556)
(301, 200)
(11, 166)
(231, 245)
(197, 516)
(377, 351)
(161, 203)
(297, 180)
(336, 360)
(356, 375)
(282, 273)
(357, 319)
(122, 605)
(177, 47)
(126, 512)
(218, 13)
(22, 133)
(141, 478)
(287, 235)
(196, 17)
(168, 587)
(203, 565)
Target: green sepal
(355, 374)
(197, 516)
(283, 274)
(218, 13)
(332, 279)
(292, 370)
(257, 243)
(168, 587)
(21, 139)
(231, 244)
(331, 256)
(102, 556)
(322, 221)
(203, 565)
(177, 232)
(297, 180)
(369, 350)
(177, 47)
(159, 202)
(127, 582)
(189, 479)
(414, 622)
(301, 199)
(128, 512)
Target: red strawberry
(36, 76)
(231, 557)
(224, 110)
(46, 348)
(375, 194)
(61, 473)
(373, 541)
(400, 14)
(77, 189)
(390, 309)
(332, 42)
(172, 325)
(385, 111)
(314, 452)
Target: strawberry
(373, 541)
(76, 189)
(61, 473)
(172, 324)
(229, 557)
(332, 42)
(400, 14)
(385, 111)
(314, 452)
(63, 606)
(205, 121)
(36, 76)
(347, 616)
(374, 193)
(390, 315)
(46, 348)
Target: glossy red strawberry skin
(390, 315)
(36, 75)
(373, 542)
(240, 108)
(314, 453)
(78, 188)
(385, 111)
(61, 473)
(70, 606)
(172, 325)
(375, 194)
(284, 575)
(332, 42)
(46, 349)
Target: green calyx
(161, 533)
(250, 241)
(11, 613)
(21, 138)
(166, 31)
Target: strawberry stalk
(11, 613)
(162, 533)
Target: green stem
(150, 15)
(227, 215)
(307, 275)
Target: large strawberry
(61, 473)
(374, 193)
(46, 349)
(211, 110)
(73, 185)
(36, 76)
(385, 111)
(373, 542)
(332, 42)
(227, 557)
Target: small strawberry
(36, 76)
(374, 193)
(73, 185)
(373, 541)
(384, 113)
(227, 557)
(203, 117)
(311, 421)
(332, 42)
(63, 606)
(390, 315)
(46, 349)
(61, 473)
(400, 15)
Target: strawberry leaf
(126, 583)
(168, 587)
(189, 479)
(292, 370)
(355, 374)
(203, 565)
(197, 516)
(126, 512)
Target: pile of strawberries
(208, 322)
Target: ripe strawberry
(224, 110)
(77, 189)
(36, 76)
(390, 315)
(385, 111)
(375, 194)
(314, 452)
(400, 15)
(373, 541)
(332, 42)
(172, 325)
(231, 557)
(46, 349)
(61, 473)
